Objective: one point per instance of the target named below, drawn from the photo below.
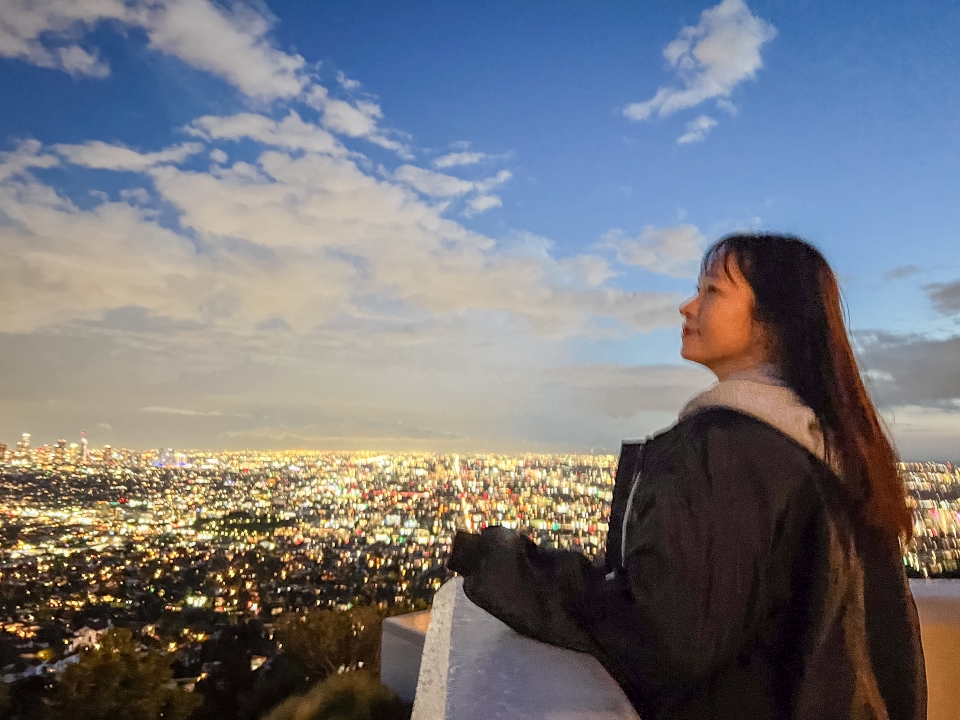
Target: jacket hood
(762, 394)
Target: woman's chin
(689, 353)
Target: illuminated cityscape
(163, 539)
(144, 539)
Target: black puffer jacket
(736, 585)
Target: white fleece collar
(761, 393)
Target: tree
(116, 681)
(4, 699)
(332, 641)
(349, 696)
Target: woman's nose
(686, 307)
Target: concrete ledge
(938, 604)
(401, 647)
(476, 668)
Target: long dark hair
(798, 301)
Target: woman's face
(719, 330)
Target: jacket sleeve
(699, 531)
(534, 590)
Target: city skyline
(343, 226)
(64, 454)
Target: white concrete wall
(476, 668)
(401, 647)
(938, 603)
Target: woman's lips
(686, 331)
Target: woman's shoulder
(721, 425)
(726, 440)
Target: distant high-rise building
(84, 452)
(3, 452)
(23, 448)
(60, 451)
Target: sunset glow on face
(719, 330)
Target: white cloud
(104, 156)
(726, 106)
(674, 251)
(63, 264)
(23, 21)
(697, 130)
(432, 183)
(242, 173)
(346, 83)
(357, 120)
(230, 42)
(342, 117)
(178, 411)
(459, 158)
(923, 432)
(437, 184)
(711, 59)
(291, 133)
(219, 156)
(482, 203)
(136, 195)
(488, 184)
(77, 61)
(622, 391)
(26, 156)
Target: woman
(753, 566)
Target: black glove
(465, 555)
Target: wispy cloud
(178, 411)
(104, 156)
(359, 119)
(672, 251)
(437, 184)
(27, 155)
(432, 183)
(229, 41)
(458, 158)
(291, 133)
(347, 83)
(901, 271)
(912, 369)
(482, 203)
(945, 297)
(710, 59)
(697, 130)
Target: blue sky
(453, 225)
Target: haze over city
(453, 227)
